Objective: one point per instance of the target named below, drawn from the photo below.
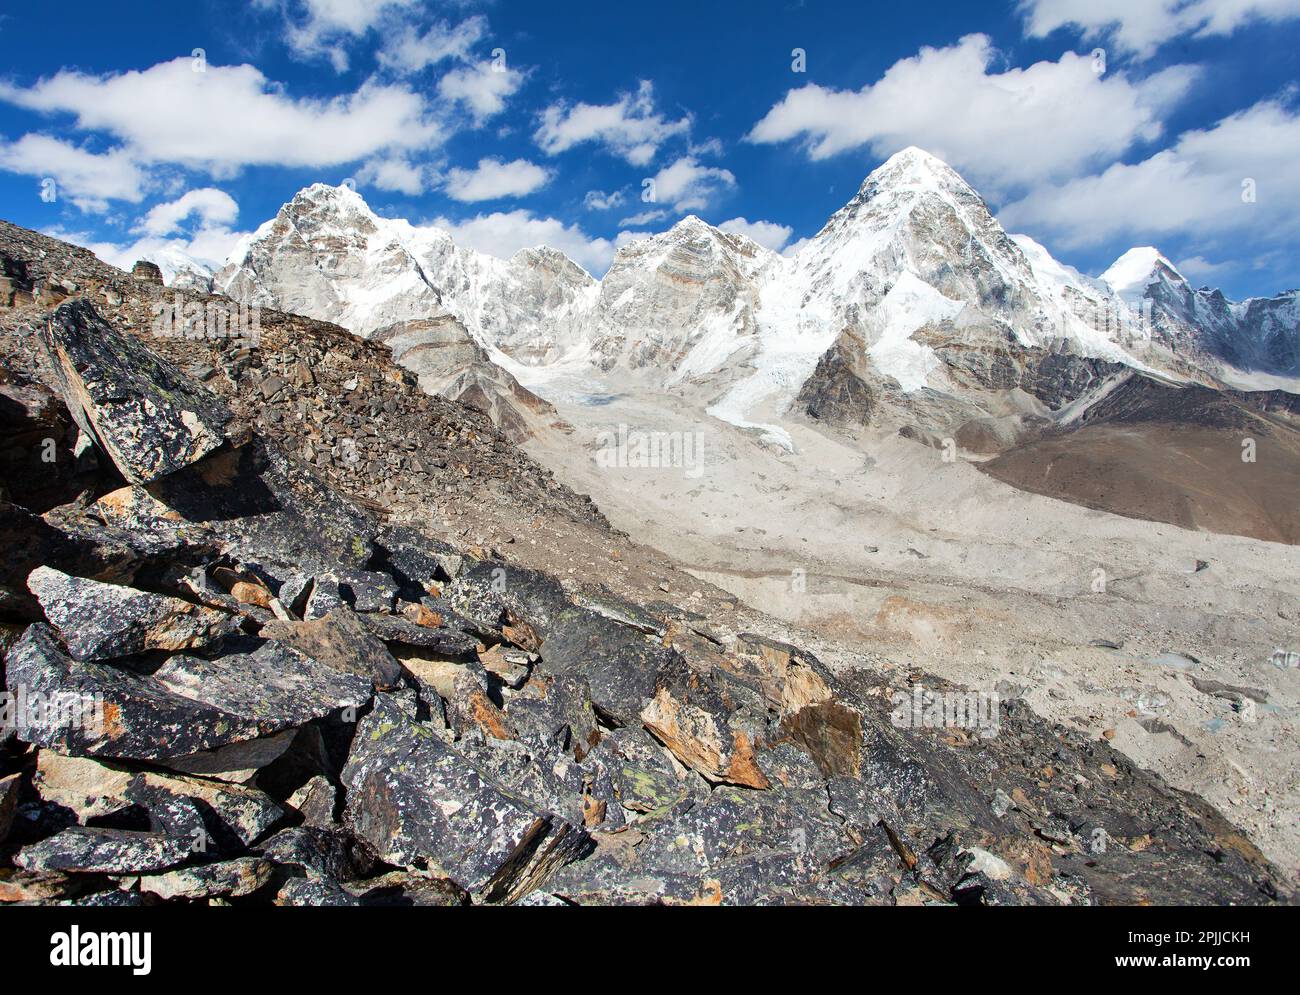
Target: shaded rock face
(663, 294)
(147, 417)
(44, 460)
(291, 702)
(147, 272)
(107, 621)
(836, 393)
(448, 361)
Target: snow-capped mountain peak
(1137, 269)
(913, 274)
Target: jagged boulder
(106, 851)
(234, 815)
(105, 621)
(342, 642)
(144, 413)
(189, 705)
(416, 800)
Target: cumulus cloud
(227, 117)
(627, 237)
(410, 50)
(1202, 186)
(1141, 27)
(1003, 129)
(502, 234)
(481, 88)
(1199, 269)
(793, 249)
(689, 186)
(768, 234)
(630, 127)
(88, 179)
(213, 208)
(493, 179)
(206, 212)
(324, 28)
(598, 200)
(394, 173)
(645, 217)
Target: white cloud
(1003, 129)
(502, 234)
(792, 250)
(213, 207)
(231, 116)
(209, 244)
(1198, 187)
(688, 186)
(493, 179)
(316, 28)
(627, 237)
(483, 88)
(1141, 26)
(409, 51)
(630, 127)
(645, 217)
(393, 173)
(598, 200)
(88, 179)
(1198, 269)
(768, 234)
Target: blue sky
(520, 123)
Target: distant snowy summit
(912, 283)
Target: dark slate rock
(324, 597)
(142, 719)
(105, 851)
(145, 414)
(367, 590)
(418, 561)
(342, 642)
(443, 641)
(645, 781)
(224, 879)
(404, 889)
(314, 893)
(619, 663)
(82, 547)
(330, 853)
(232, 815)
(10, 787)
(267, 508)
(270, 683)
(110, 900)
(582, 792)
(419, 802)
(693, 720)
(557, 710)
(105, 621)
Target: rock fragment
(416, 800)
(101, 621)
(145, 414)
(105, 851)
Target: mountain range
(911, 297)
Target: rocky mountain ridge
(943, 311)
(292, 698)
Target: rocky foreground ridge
(228, 681)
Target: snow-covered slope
(181, 271)
(327, 255)
(1259, 334)
(912, 286)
